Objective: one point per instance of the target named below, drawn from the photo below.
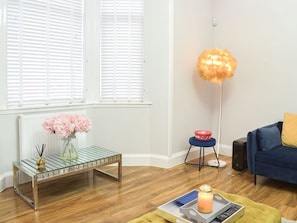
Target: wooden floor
(142, 190)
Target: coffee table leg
(16, 182)
(91, 177)
(119, 175)
(35, 192)
(15, 178)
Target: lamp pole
(221, 162)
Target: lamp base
(214, 163)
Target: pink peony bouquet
(65, 125)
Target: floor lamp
(216, 65)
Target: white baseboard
(5, 180)
(167, 162)
(226, 150)
(153, 160)
(142, 160)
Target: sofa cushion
(289, 132)
(269, 137)
(281, 156)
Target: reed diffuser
(40, 162)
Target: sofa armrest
(253, 145)
(252, 148)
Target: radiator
(31, 133)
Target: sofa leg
(255, 179)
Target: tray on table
(184, 210)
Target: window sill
(64, 107)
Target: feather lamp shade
(216, 65)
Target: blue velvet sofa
(266, 156)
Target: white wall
(8, 141)
(126, 130)
(192, 96)
(262, 36)
(8, 148)
(157, 55)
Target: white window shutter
(121, 50)
(44, 52)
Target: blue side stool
(202, 144)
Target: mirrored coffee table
(89, 159)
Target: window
(121, 50)
(44, 52)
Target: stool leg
(216, 156)
(199, 165)
(201, 157)
(185, 161)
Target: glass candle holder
(205, 199)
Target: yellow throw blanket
(254, 212)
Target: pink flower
(82, 124)
(48, 125)
(65, 125)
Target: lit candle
(205, 199)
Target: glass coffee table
(89, 159)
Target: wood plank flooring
(142, 190)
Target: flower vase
(69, 148)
